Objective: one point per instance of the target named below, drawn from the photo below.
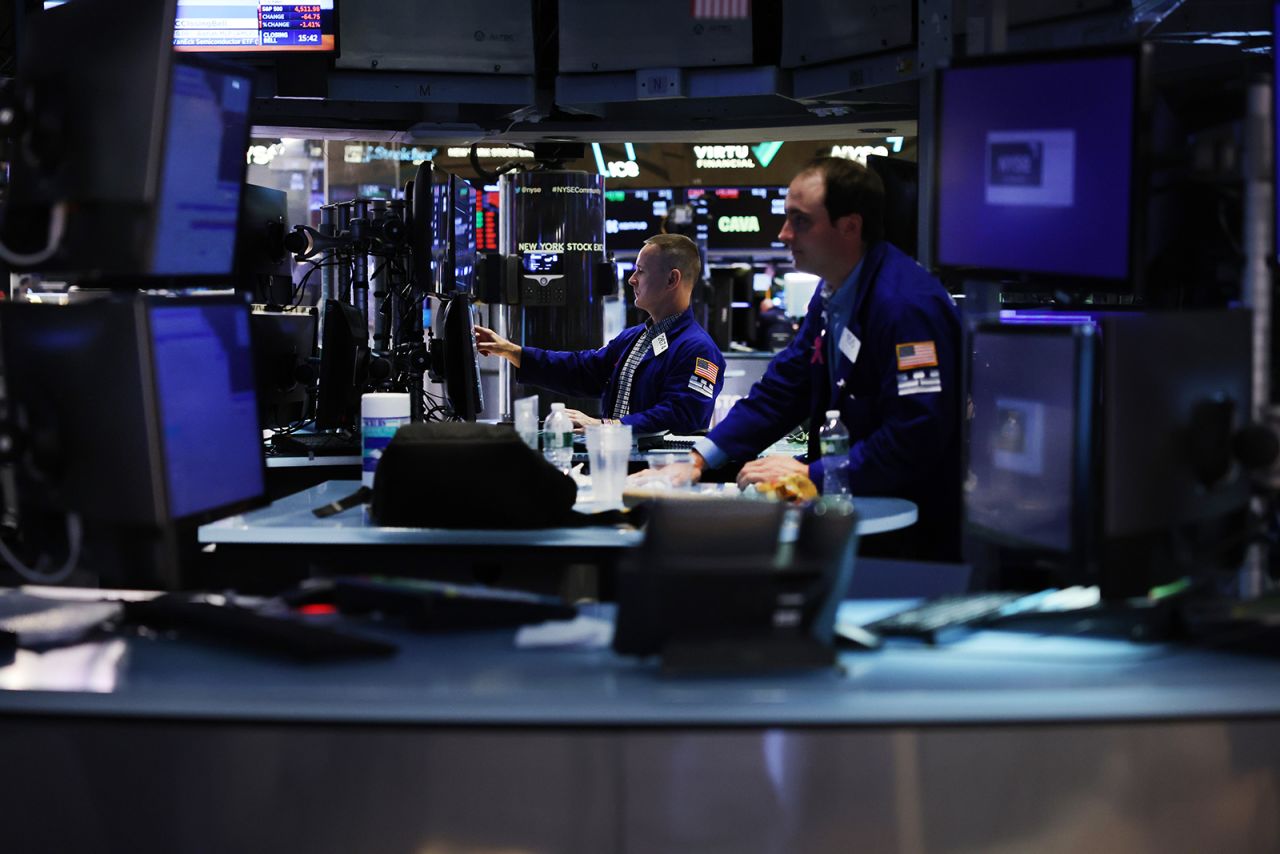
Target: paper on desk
(578, 633)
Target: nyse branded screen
(234, 25)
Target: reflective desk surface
(290, 520)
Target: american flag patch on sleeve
(917, 354)
(707, 370)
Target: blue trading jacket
(902, 413)
(666, 393)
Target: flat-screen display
(1036, 171)
(207, 404)
(633, 216)
(250, 26)
(464, 234)
(745, 219)
(488, 203)
(203, 172)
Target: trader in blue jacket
(881, 343)
(663, 375)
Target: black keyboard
(948, 612)
(316, 444)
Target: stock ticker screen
(487, 204)
(743, 219)
(237, 25)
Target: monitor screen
(744, 219)
(250, 26)
(633, 216)
(487, 207)
(203, 171)
(1024, 450)
(1036, 170)
(207, 405)
(464, 234)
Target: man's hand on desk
(680, 474)
(581, 419)
(770, 468)
(490, 343)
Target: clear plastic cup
(608, 451)
(668, 469)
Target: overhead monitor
(740, 219)
(633, 216)
(149, 158)
(248, 26)
(1037, 170)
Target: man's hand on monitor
(490, 343)
(770, 468)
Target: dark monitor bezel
(1041, 282)
(269, 55)
(1077, 560)
(345, 414)
(462, 376)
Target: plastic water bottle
(834, 440)
(557, 438)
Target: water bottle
(557, 438)
(834, 440)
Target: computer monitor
(263, 268)
(901, 180)
(134, 411)
(431, 230)
(344, 366)
(267, 28)
(1102, 453)
(1037, 171)
(740, 219)
(633, 216)
(283, 346)
(488, 206)
(454, 359)
(464, 234)
(140, 155)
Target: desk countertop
(290, 521)
(480, 679)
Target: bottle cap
(833, 413)
(556, 407)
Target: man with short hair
(881, 342)
(662, 375)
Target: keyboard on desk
(316, 444)
(927, 619)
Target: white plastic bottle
(557, 438)
(834, 440)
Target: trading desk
(287, 535)
(998, 742)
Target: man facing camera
(664, 374)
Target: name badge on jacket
(850, 345)
(660, 344)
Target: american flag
(917, 354)
(720, 9)
(709, 371)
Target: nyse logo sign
(859, 152)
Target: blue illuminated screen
(1035, 167)
(207, 405)
(203, 172)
